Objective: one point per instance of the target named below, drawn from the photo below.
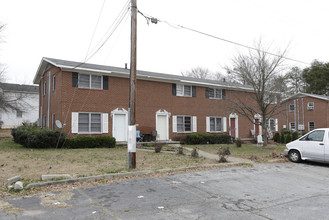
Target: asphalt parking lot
(265, 191)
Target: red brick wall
(151, 97)
(319, 115)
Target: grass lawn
(30, 164)
(248, 151)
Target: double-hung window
(214, 93)
(292, 126)
(90, 81)
(90, 123)
(215, 124)
(183, 90)
(311, 125)
(291, 107)
(184, 124)
(272, 124)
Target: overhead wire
(117, 22)
(92, 37)
(177, 26)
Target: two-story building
(305, 112)
(25, 98)
(93, 100)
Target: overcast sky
(63, 29)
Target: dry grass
(5, 133)
(32, 163)
(248, 151)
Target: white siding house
(27, 97)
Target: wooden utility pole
(133, 69)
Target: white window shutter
(105, 128)
(194, 124)
(276, 125)
(174, 123)
(75, 122)
(224, 125)
(207, 124)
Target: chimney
(126, 66)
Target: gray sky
(63, 29)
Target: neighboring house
(305, 112)
(93, 100)
(26, 97)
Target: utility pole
(132, 87)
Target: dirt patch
(56, 200)
(5, 133)
(7, 207)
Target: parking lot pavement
(265, 191)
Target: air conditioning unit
(310, 108)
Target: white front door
(120, 127)
(162, 127)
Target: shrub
(295, 135)
(157, 148)
(223, 153)
(33, 137)
(282, 139)
(238, 142)
(288, 138)
(203, 138)
(180, 150)
(194, 152)
(277, 137)
(90, 142)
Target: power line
(177, 26)
(123, 13)
(99, 16)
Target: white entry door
(120, 127)
(162, 127)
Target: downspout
(287, 115)
(48, 98)
(303, 114)
(295, 114)
(41, 102)
(297, 126)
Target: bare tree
(203, 73)
(9, 103)
(257, 69)
(197, 72)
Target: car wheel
(294, 156)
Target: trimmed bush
(282, 139)
(90, 142)
(294, 135)
(203, 138)
(276, 137)
(288, 138)
(32, 137)
(238, 142)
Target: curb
(126, 174)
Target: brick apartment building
(304, 112)
(93, 100)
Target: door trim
(162, 112)
(121, 111)
(236, 117)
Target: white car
(312, 146)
